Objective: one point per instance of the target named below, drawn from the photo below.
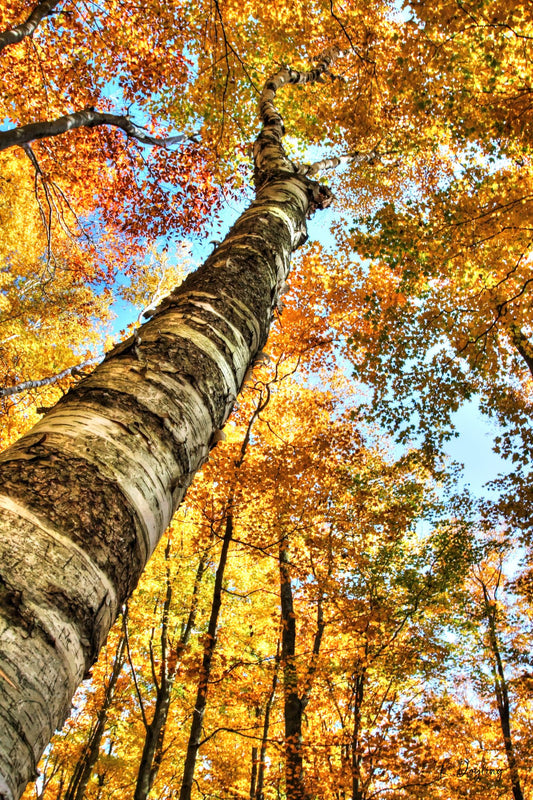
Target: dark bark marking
(72, 494)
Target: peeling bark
(88, 492)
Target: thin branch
(47, 222)
(343, 28)
(50, 191)
(79, 224)
(239, 731)
(226, 81)
(21, 387)
(43, 9)
(134, 674)
(335, 161)
(229, 47)
(81, 119)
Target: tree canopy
(328, 613)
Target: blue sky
(473, 447)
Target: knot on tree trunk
(320, 196)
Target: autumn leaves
(306, 631)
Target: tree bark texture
(88, 492)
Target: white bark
(8, 391)
(89, 491)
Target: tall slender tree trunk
(358, 792)
(297, 691)
(293, 707)
(87, 493)
(155, 730)
(210, 645)
(502, 696)
(205, 672)
(259, 787)
(84, 767)
(253, 776)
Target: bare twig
(46, 220)
(342, 27)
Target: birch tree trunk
(87, 493)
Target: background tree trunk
(83, 770)
(259, 787)
(502, 694)
(292, 707)
(170, 660)
(205, 671)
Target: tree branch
(21, 387)
(342, 27)
(81, 119)
(43, 9)
(335, 161)
(134, 673)
(269, 155)
(523, 346)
